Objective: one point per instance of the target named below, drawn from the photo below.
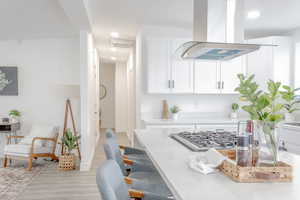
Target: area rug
(15, 178)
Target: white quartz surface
(171, 159)
(191, 121)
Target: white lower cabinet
(290, 139)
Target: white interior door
(182, 71)
(158, 67)
(206, 77)
(229, 71)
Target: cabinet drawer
(290, 136)
(292, 148)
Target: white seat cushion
(24, 150)
(39, 131)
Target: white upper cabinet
(260, 62)
(182, 72)
(270, 62)
(206, 77)
(229, 71)
(156, 58)
(165, 72)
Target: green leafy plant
(14, 113)
(174, 109)
(262, 106)
(69, 141)
(234, 107)
(290, 98)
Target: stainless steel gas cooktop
(204, 140)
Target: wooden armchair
(32, 147)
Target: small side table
(10, 128)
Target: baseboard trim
(86, 165)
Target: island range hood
(218, 31)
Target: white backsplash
(192, 106)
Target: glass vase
(267, 135)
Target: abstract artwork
(9, 81)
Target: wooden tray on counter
(267, 173)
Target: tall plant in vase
(267, 111)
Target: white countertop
(189, 121)
(170, 158)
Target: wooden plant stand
(67, 110)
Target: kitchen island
(171, 160)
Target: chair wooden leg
(29, 164)
(54, 157)
(5, 162)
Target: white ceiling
(127, 16)
(29, 19)
(25, 19)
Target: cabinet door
(182, 71)
(260, 62)
(206, 77)
(229, 71)
(156, 58)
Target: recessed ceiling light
(114, 34)
(254, 14)
(113, 49)
(113, 58)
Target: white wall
(107, 78)
(131, 95)
(121, 98)
(89, 70)
(48, 71)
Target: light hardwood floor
(73, 185)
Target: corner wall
(89, 82)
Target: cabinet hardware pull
(173, 84)
(222, 84)
(169, 84)
(218, 85)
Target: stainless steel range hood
(210, 18)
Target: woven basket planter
(67, 162)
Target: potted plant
(67, 161)
(14, 115)
(234, 109)
(174, 110)
(266, 110)
(291, 102)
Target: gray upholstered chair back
(112, 152)
(109, 133)
(110, 181)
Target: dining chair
(127, 151)
(113, 186)
(136, 169)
